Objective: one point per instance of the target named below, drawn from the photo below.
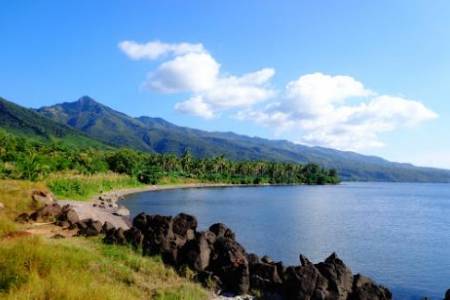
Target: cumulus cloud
(316, 109)
(189, 68)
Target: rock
(229, 263)
(330, 279)
(197, 252)
(265, 277)
(122, 211)
(304, 282)
(23, 218)
(134, 237)
(68, 217)
(89, 227)
(140, 222)
(47, 213)
(2, 206)
(447, 295)
(253, 259)
(40, 198)
(365, 289)
(339, 277)
(266, 259)
(115, 236)
(183, 223)
(221, 230)
(107, 227)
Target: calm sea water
(396, 233)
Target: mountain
(25, 122)
(157, 135)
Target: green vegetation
(157, 135)
(22, 158)
(36, 267)
(82, 187)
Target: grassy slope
(34, 267)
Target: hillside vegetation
(22, 158)
(156, 135)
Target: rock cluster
(221, 262)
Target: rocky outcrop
(218, 259)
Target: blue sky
(370, 76)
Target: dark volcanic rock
(221, 230)
(107, 227)
(339, 276)
(89, 227)
(48, 213)
(134, 237)
(183, 223)
(115, 236)
(229, 263)
(365, 289)
(197, 252)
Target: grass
(79, 268)
(34, 267)
(83, 187)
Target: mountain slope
(158, 135)
(22, 121)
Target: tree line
(24, 158)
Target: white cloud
(192, 72)
(156, 49)
(195, 106)
(316, 109)
(190, 68)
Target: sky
(365, 76)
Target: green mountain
(157, 135)
(26, 122)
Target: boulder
(304, 282)
(229, 263)
(107, 227)
(68, 217)
(48, 213)
(40, 198)
(115, 236)
(134, 237)
(365, 289)
(447, 295)
(184, 225)
(265, 277)
(89, 227)
(140, 222)
(197, 252)
(339, 276)
(221, 230)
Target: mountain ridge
(158, 135)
